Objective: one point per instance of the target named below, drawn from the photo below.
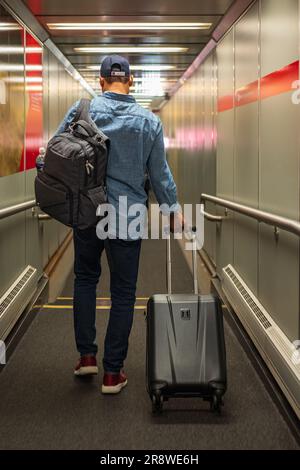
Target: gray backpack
(71, 185)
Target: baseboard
(258, 362)
(47, 289)
(21, 326)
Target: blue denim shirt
(136, 148)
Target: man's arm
(68, 118)
(160, 175)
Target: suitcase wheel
(216, 403)
(157, 403)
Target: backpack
(71, 184)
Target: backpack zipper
(89, 168)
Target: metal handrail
(12, 210)
(213, 218)
(276, 221)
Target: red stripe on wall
(247, 94)
(273, 84)
(225, 103)
(34, 105)
(280, 81)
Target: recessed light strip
(9, 27)
(156, 68)
(128, 26)
(20, 50)
(23, 79)
(20, 68)
(130, 50)
(154, 79)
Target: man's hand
(177, 222)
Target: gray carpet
(43, 406)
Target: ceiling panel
(69, 49)
(174, 37)
(120, 11)
(147, 59)
(133, 7)
(48, 20)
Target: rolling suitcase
(186, 354)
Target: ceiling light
(148, 94)
(130, 50)
(19, 50)
(156, 68)
(21, 79)
(20, 68)
(34, 88)
(153, 78)
(9, 27)
(128, 26)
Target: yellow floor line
(100, 298)
(70, 307)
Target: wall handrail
(15, 209)
(276, 221)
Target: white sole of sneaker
(90, 370)
(106, 390)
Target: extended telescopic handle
(194, 262)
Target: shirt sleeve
(67, 119)
(161, 177)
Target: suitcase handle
(194, 261)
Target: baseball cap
(115, 66)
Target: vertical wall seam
(259, 143)
(24, 144)
(234, 144)
(299, 180)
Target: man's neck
(116, 89)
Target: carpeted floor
(43, 406)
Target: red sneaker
(113, 383)
(87, 365)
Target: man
(136, 147)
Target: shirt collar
(118, 96)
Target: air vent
(250, 300)
(17, 287)
(275, 347)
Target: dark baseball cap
(115, 66)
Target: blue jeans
(123, 259)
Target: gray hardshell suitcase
(185, 345)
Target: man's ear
(130, 83)
(102, 82)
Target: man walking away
(136, 148)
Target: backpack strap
(82, 112)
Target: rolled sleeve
(161, 177)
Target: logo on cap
(117, 73)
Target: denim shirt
(136, 148)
